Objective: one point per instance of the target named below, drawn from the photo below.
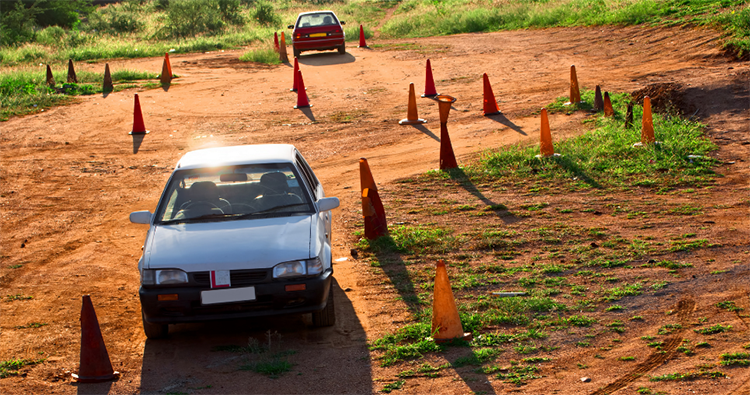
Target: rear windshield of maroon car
(313, 20)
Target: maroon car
(317, 31)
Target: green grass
(261, 55)
(10, 367)
(396, 385)
(411, 240)
(32, 325)
(273, 365)
(718, 328)
(688, 376)
(735, 359)
(729, 306)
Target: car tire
(296, 52)
(327, 316)
(342, 49)
(154, 331)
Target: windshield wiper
(272, 209)
(193, 219)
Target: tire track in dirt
(684, 308)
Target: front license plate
(215, 296)
(318, 35)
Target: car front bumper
(270, 299)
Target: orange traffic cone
(138, 126)
(490, 104)
(166, 71)
(282, 49)
(372, 207)
(302, 101)
(72, 72)
(446, 323)
(647, 125)
(598, 101)
(429, 84)
(629, 116)
(575, 94)
(447, 157)
(545, 145)
(608, 110)
(296, 76)
(107, 86)
(50, 78)
(94, 363)
(276, 41)
(362, 43)
(411, 113)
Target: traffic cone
(94, 363)
(647, 125)
(302, 101)
(166, 71)
(362, 43)
(598, 101)
(282, 49)
(575, 94)
(411, 113)
(72, 72)
(446, 323)
(429, 84)
(138, 126)
(372, 207)
(296, 77)
(276, 41)
(107, 86)
(608, 110)
(447, 157)
(629, 116)
(490, 104)
(50, 78)
(545, 144)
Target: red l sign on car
(220, 279)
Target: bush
(192, 17)
(51, 36)
(17, 24)
(265, 14)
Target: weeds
(718, 328)
(688, 376)
(10, 367)
(735, 359)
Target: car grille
(237, 277)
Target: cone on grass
(107, 86)
(302, 101)
(373, 212)
(608, 110)
(647, 124)
(138, 126)
(629, 116)
(72, 77)
(276, 41)
(446, 323)
(282, 49)
(95, 365)
(50, 78)
(545, 144)
(598, 101)
(296, 77)
(575, 93)
(166, 71)
(411, 113)
(490, 104)
(447, 157)
(429, 83)
(362, 43)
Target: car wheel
(327, 316)
(342, 49)
(154, 331)
(296, 52)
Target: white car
(240, 231)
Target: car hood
(229, 245)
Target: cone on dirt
(490, 104)
(296, 76)
(629, 116)
(608, 110)
(107, 86)
(72, 72)
(545, 144)
(362, 43)
(575, 93)
(282, 49)
(95, 365)
(411, 112)
(276, 41)
(647, 125)
(138, 126)
(446, 323)
(302, 101)
(598, 101)
(166, 71)
(50, 78)
(447, 157)
(429, 83)
(372, 207)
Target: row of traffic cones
(107, 86)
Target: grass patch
(718, 328)
(735, 359)
(261, 55)
(12, 366)
(729, 306)
(32, 325)
(396, 385)
(688, 376)
(273, 365)
(411, 240)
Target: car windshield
(313, 20)
(236, 192)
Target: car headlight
(163, 277)
(307, 267)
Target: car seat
(275, 192)
(328, 20)
(204, 198)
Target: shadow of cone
(138, 126)
(276, 41)
(608, 110)
(429, 83)
(362, 43)
(166, 71)
(50, 78)
(94, 364)
(107, 86)
(302, 101)
(296, 76)
(282, 49)
(446, 323)
(647, 124)
(545, 144)
(598, 101)
(373, 212)
(575, 93)
(447, 157)
(490, 104)
(72, 77)
(411, 112)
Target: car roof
(315, 12)
(237, 155)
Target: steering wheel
(190, 204)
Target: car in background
(241, 231)
(318, 31)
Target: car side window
(308, 175)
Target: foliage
(265, 14)
(261, 55)
(10, 367)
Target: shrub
(265, 14)
(192, 17)
(51, 36)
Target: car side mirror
(342, 22)
(326, 204)
(290, 27)
(141, 217)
